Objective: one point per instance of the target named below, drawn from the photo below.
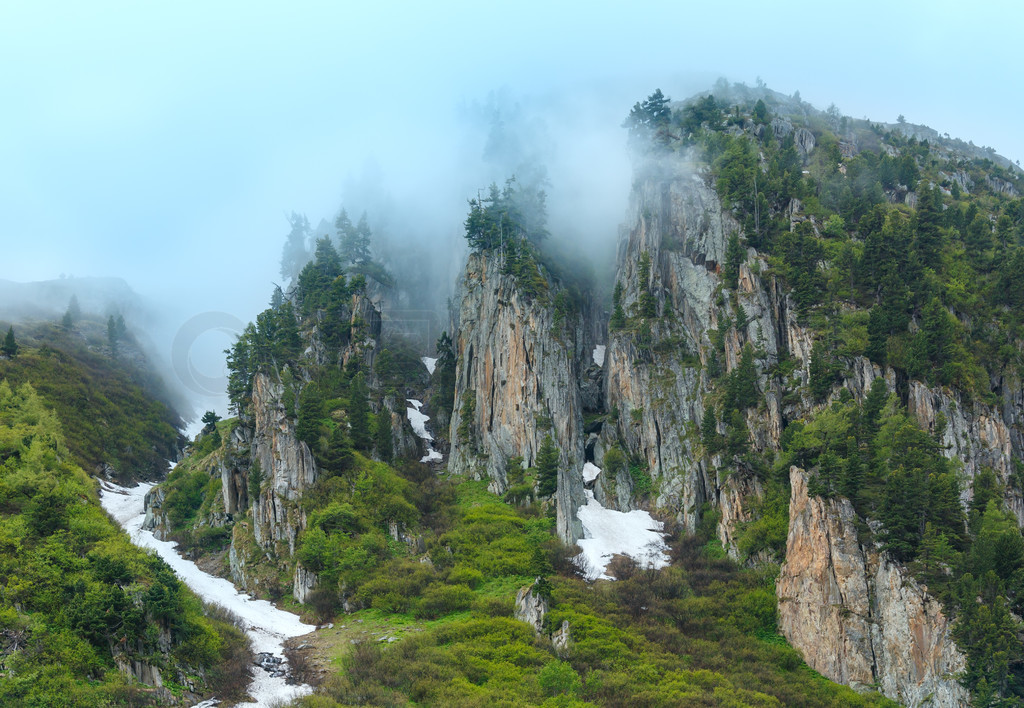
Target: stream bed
(266, 625)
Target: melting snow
(590, 472)
(418, 420)
(599, 354)
(430, 363)
(266, 625)
(607, 532)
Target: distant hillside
(115, 411)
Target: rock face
(287, 466)
(677, 221)
(976, 434)
(857, 617)
(531, 608)
(303, 584)
(156, 520)
(517, 380)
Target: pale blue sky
(164, 142)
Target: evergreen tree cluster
(940, 280)
(506, 216)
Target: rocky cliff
(859, 618)
(517, 380)
(657, 367)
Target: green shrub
(441, 600)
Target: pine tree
(618, 318)
(827, 480)
(443, 396)
(112, 334)
(709, 429)
(345, 236)
(382, 435)
(336, 457)
(873, 405)
(734, 256)
(10, 345)
(359, 413)
(361, 243)
(852, 477)
(928, 220)
(823, 371)
(934, 345)
(72, 314)
(741, 390)
(295, 254)
(311, 411)
(648, 307)
(547, 467)
(650, 119)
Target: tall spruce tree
(10, 345)
(359, 413)
(547, 467)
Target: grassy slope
(104, 404)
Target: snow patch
(590, 472)
(418, 421)
(607, 532)
(598, 354)
(267, 626)
(430, 363)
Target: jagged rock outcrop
(659, 393)
(677, 221)
(286, 464)
(303, 583)
(735, 494)
(517, 380)
(141, 671)
(561, 640)
(857, 617)
(976, 434)
(156, 519)
(803, 139)
(531, 608)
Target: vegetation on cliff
(906, 253)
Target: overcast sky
(165, 142)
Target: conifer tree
(928, 242)
(112, 334)
(382, 435)
(618, 318)
(10, 345)
(734, 255)
(547, 467)
(336, 455)
(741, 390)
(709, 429)
(294, 255)
(311, 411)
(72, 314)
(359, 413)
(648, 307)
